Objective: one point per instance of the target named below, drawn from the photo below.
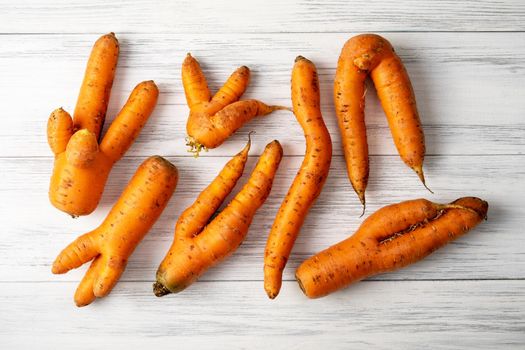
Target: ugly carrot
(213, 119)
(391, 238)
(110, 245)
(370, 54)
(310, 178)
(200, 243)
(82, 165)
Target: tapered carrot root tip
(419, 171)
(281, 108)
(160, 290)
(272, 282)
(362, 199)
(195, 147)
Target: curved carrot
(81, 165)
(111, 244)
(310, 179)
(391, 238)
(93, 99)
(213, 119)
(371, 54)
(200, 243)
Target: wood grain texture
(466, 60)
(260, 16)
(211, 315)
(468, 87)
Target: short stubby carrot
(213, 119)
(201, 242)
(110, 245)
(309, 180)
(391, 238)
(82, 165)
(370, 54)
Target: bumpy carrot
(310, 179)
(111, 244)
(393, 237)
(81, 164)
(200, 243)
(213, 119)
(370, 54)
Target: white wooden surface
(467, 63)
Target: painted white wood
(469, 87)
(211, 315)
(466, 61)
(260, 16)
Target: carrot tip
(361, 195)
(160, 290)
(364, 209)
(421, 175)
(281, 108)
(195, 147)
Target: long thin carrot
(93, 99)
(200, 243)
(82, 165)
(111, 244)
(310, 178)
(370, 54)
(393, 237)
(213, 119)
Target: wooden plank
(35, 231)
(267, 16)
(379, 315)
(468, 87)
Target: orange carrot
(200, 243)
(82, 165)
(310, 179)
(213, 119)
(371, 54)
(111, 244)
(93, 99)
(393, 237)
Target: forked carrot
(391, 238)
(110, 245)
(371, 54)
(201, 242)
(213, 119)
(82, 165)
